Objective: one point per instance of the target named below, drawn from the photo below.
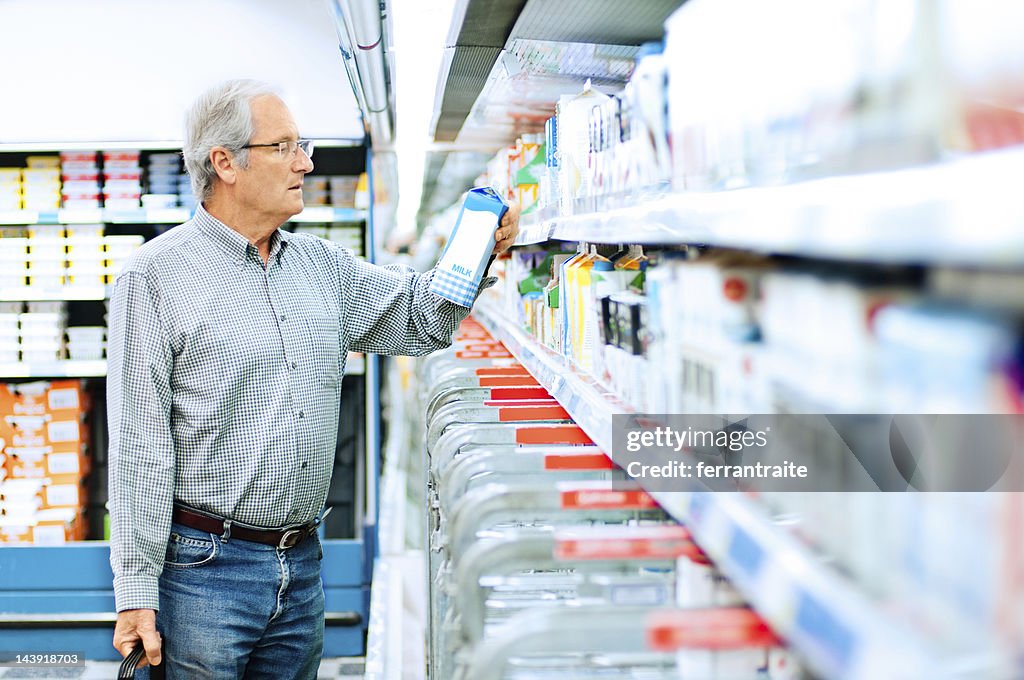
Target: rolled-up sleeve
(141, 454)
(391, 310)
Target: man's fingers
(151, 639)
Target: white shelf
(54, 369)
(965, 211)
(95, 216)
(837, 630)
(156, 216)
(326, 213)
(35, 293)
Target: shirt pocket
(323, 343)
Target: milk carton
(469, 247)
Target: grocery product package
(469, 247)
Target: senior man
(228, 339)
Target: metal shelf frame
(314, 213)
(838, 630)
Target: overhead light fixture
(421, 32)
(361, 38)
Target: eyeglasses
(287, 149)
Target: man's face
(272, 184)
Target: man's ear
(224, 164)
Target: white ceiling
(126, 70)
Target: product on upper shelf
(343, 190)
(81, 177)
(122, 180)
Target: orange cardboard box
(58, 397)
(47, 527)
(61, 436)
(60, 467)
(22, 494)
(64, 495)
(15, 531)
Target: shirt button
(302, 414)
(294, 365)
(283, 318)
(305, 464)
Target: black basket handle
(127, 668)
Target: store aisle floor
(337, 668)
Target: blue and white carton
(469, 247)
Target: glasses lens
(307, 147)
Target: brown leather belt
(288, 537)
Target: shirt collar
(230, 241)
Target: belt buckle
(286, 541)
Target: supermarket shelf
(54, 369)
(838, 631)
(36, 293)
(962, 211)
(139, 145)
(157, 216)
(590, 404)
(95, 216)
(326, 213)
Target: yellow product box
(40, 175)
(45, 232)
(86, 248)
(41, 204)
(41, 191)
(74, 231)
(10, 177)
(39, 162)
(120, 247)
(80, 277)
(47, 242)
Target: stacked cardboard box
(122, 180)
(43, 440)
(10, 189)
(163, 180)
(81, 176)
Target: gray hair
(221, 116)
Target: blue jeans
(238, 609)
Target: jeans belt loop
(227, 531)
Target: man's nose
(304, 162)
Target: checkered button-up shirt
(224, 379)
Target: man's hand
(133, 625)
(507, 231)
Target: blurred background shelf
(157, 216)
(55, 369)
(37, 294)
